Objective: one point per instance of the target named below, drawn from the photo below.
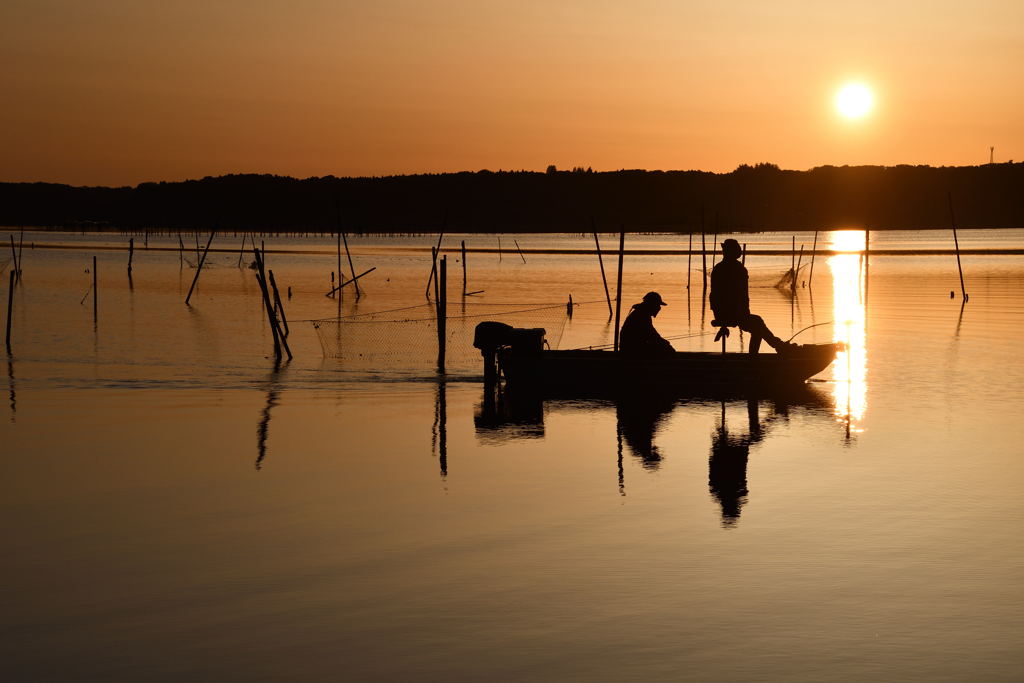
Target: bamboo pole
(181, 253)
(10, 308)
(340, 276)
(346, 282)
(618, 290)
(704, 259)
(743, 259)
(689, 260)
(199, 268)
(431, 280)
(799, 259)
(463, 267)
(792, 265)
(95, 294)
(271, 318)
(520, 251)
(436, 251)
(131, 253)
(956, 243)
(352, 269)
(14, 255)
(814, 251)
(442, 314)
(277, 303)
(604, 280)
(241, 250)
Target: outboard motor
(490, 336)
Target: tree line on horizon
(750, 198)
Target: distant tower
(991, 155)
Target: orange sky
(125, 91)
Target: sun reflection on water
(849, 287)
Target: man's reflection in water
(637, 421)
(727, 466)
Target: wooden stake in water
(131, 254)
(956, 243)
(689, 259)
(95, 294)
(181, 253)
(520, 251)
(199, 268)
(792, 264)
(278, 306)
(271, 317)
(604, 280)
(704, 259)
(743, 259)
(814, 251)
(21, 245)
(351, 268)
(435, 251)
(618, 291)
(463, 267)
(799, 259)
(14, 255)
(442, 313)
(241, 250)
(10, 308)
(346, 282)
(432, 280)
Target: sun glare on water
(854, 100)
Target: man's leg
(754, 324)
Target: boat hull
(583, 369)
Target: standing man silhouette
(730, 300)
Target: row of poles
(438, 278)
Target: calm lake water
(175, 507)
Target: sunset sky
(114, 92)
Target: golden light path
(848, 287)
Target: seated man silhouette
(730, 300)
(638, 335)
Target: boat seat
(723, 332)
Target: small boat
(520, 357)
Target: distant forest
(760, 197)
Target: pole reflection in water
(273, 392)
(439, 430)
(10, 385)
(849, 284)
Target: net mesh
(405, 340)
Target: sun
(854, 100)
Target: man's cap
(654, 298)
(731, 244)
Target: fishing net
(405, 340)
(787, 280)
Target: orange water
(176, 509)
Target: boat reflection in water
(505, 415)
(849, 287)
